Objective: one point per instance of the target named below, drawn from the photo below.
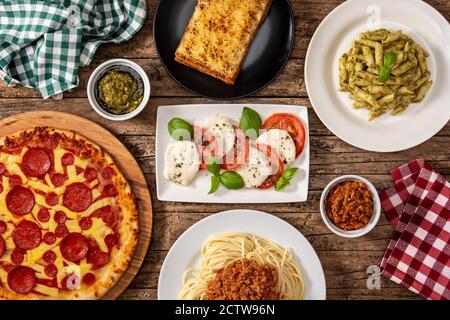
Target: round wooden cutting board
(123, 158)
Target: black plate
(267, 56)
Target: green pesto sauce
(119, 92)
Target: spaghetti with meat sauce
(349, 205)
(244, 280)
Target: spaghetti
(225, 249)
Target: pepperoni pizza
(68, 219)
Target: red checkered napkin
(418, 206)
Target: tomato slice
(240, 153)
(273, 159)
(291, 124)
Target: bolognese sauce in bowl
(350, 206)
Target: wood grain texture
(345, 261)
(123, 159)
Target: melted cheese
(58, 154)
(72, 226)
(97, 205)
(48, 291)
(99, 231)
(37, 185)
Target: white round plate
(335, 36)
(185, 253)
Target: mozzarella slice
(222, 129)
(256, 170)
(182, 162)
(281, 142)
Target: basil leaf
(213, 167)
(289, 173)
(384, 74)
(215, 184)
(281, 184)
(232, 180)
(285, 179)
(250, 123)
(390, 58)
(180, 130)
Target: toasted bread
(219, 35)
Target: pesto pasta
(384, 71)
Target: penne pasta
(384, 71)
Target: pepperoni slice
(98, 259)
(106, 214)
(49, 237)
(14, 180)
(61, 231)
(74, 247)
(17, 256)
(67, 159)
(79, 170)
(111, 240)
(51, 199)
(3, 226)
(27, 235)
(49, 256)
(109, 191)
(89, 279)
(2, 168)
(77, 197)
(2, 247)
(96, 256)
(52, 283)
(20, 200)
(1, 188)
(60, 217)
(21, 279)
(85, 223)
(36, 162)
(90, 174)
(57, 179)
(108, 173)
(43, 215)
(51, 270)
(51, 141)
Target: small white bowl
(354, 233)
(95, 77)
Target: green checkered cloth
(43, 43)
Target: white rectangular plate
(297, 191)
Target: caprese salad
(247, 154)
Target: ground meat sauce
(349, 205)
(244, 280)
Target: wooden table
(345, 261)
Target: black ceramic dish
(266, 58)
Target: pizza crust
(109, 275)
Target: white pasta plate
(185, 253)
(335, 35)
(197, 191)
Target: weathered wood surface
(345, 261)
